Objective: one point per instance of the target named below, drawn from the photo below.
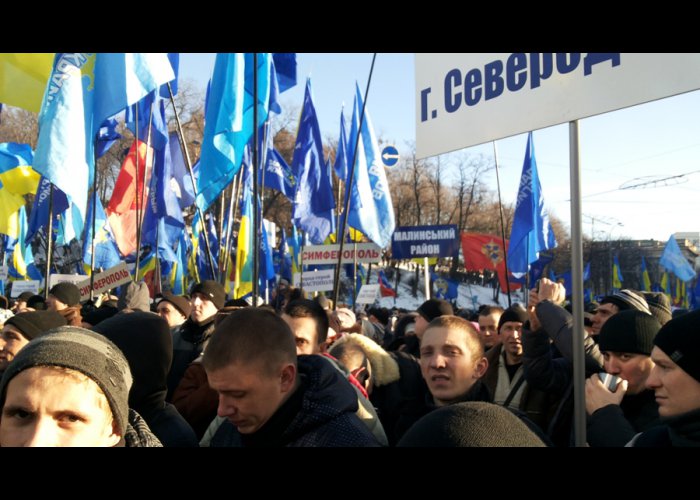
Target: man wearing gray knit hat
(68, 387)
(621, 300)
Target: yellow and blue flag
(617, 274)
(646, 281)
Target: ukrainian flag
(243, 284)
(617, 275)
(646, 282)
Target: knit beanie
(659, 305)
(470, 424)
(434, 308)
(86, 352)
(32, 323)
(36, 302)
(629, 331)
(516, 312)
(211, 289)
(680, 340)
(25, 296)
(67, 293)
(181, 303)
(627, 299)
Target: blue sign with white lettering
(410, 242)
(390, 156)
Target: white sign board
(468, 99)
(3, 273)
(19, 287)
(328, 254)
(55, 279)
(317, 281)
(368, 294)
(111, 278)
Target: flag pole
(256, 222)
(348, 189)
(140, 202)
(226, 241)
(49, 243)
(503, 228)
(577, 284)
(92, 242)
(354, 281)
(183, 145)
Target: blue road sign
(390, 156)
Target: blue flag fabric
(286, 67)
(285, 258)
(536, 270)
(532, 233)
(40, 209)
(163, 217)
(229, 120)
(444, 288)
(180, 173)
(341, 154)
(371, 210)
(672, 259)
(106, 252)
(313, 201)
(107, 136)
(148, 111)
(279, 175)
(174, 58)
(84, 90)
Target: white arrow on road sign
(390, 156)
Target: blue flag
(279, 175)
(285, 258)
(148, 111)
(106, 252)
(107, 136)
(444, 288)
(313, 202)
(174, 58)
(229, 120)
(371, 210)
(672, 259)
(532, 232)
(341, 154)
(286, 67)
(185, 191)
(163, 217)
(85, 89)
(40, 210)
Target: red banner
(484, 251)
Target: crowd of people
(201, 370)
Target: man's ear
(323, 347)
(115, 436)
(481, 366)
(288, 377)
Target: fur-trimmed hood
(385, 369)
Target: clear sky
(654, 140)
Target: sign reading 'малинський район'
(409, 242)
